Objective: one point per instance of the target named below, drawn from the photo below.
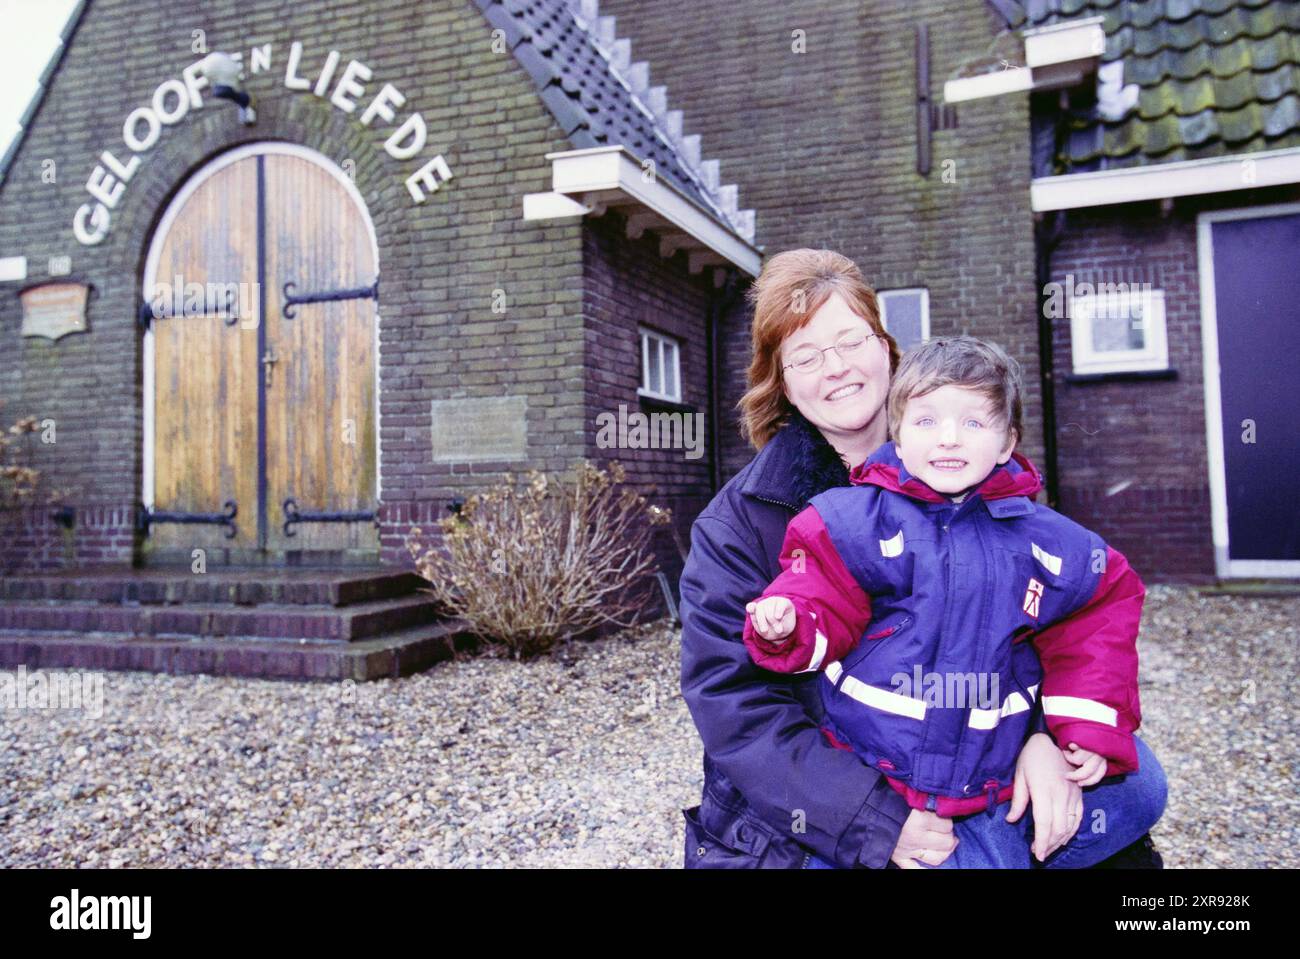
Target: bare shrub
(530, 565)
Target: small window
(906, 315)
(660, 366)
(1118, 330)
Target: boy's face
(950, 439)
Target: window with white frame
(906, 315)
(660, 366)
(1118, 328)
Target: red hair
(792, 287)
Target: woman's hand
(1042, 779)
(926, 838)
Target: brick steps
(272, 621)
(299, 624)
(242, 588)
(390, 656)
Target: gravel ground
(584, 758)
(1220, 710)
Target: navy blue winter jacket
(768, 770)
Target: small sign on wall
(54, 309)
(477, 429)
(13, 268)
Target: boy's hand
(926, 840)
(1092, 766)
(773, 617)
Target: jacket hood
(883, 468)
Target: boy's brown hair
(959, 361)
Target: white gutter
(590, 180)
(1065, 42)
(1056, 56)
(1157, 181)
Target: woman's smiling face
(844, 394)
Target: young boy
(919, 589)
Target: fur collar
(816, 466)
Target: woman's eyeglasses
(809, 359)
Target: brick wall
(822, 145)
(441, 261)
(1149, 434)
(628, 284)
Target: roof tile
(586, 79)
(1212, 77)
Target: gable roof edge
(585, 76)
(43, 85)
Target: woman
(777, 794)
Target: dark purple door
(1257, 310)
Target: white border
(590, 177)
(992, 84)
(1154, 356)
(1065, 42)
(925, 308)
(1060, 54)
(647, 336)
(155, 252)
(1224, 567)
(1157, 181)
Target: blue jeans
(1131, 805)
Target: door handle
(269, 359)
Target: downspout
(1048, 231)
(1047, 235)
(719, 303)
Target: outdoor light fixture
(223, 72)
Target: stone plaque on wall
(54, 309)
(472, 430)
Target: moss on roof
(1200, 78)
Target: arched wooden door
(260, 364)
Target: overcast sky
(28, 40)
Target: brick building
(461, 236)
(986, 161)
(1165, 165)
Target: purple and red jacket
(919, 612)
